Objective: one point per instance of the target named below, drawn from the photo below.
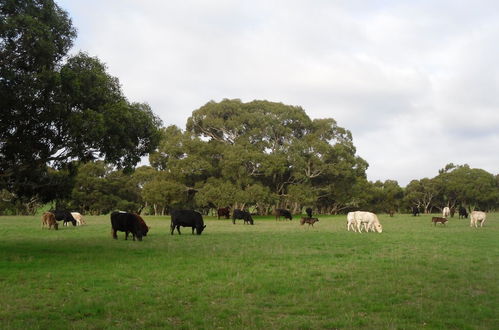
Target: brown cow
(145, 228)
(438, 219)
(48, 219)
(224, 212)
(310, 221)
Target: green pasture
(273, 275)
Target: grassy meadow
(273, 275)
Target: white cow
(477, 216)
(351, 221)
(79, 219)
(446, 212)
(364, 219)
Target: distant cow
(240, 214)
(48, 219)
(223, 212)
(477, 216)
(283, 213)
(446, 212)
(462, 212)
(61, 215)
(187, 218)
(368, 220)
(127, 222)
(415, 211)
(308, 210)
(391, 213)
(438, 219)
(143, 225)
(79, 219)
(310, 221)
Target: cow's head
(378, 228)
(200, 229)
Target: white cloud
(415, 82)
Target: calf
(308, 210)
(48, 219)
(240, 214)
(438, 219)
(187, 218)
(283, 213)
(127, 222)
(310, 221)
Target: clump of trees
(58, 111)
(69, 135)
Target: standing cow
(240, 214)
(477, 216)
(283, 213)
(127, 222)
(223, 212)
(415, 211)
(364, 219)
(446, 212)
(187, 218)
(462, 212)
(308, 210)
(79, 219)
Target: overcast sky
(416, 82)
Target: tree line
(68, 135)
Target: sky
(416, 82)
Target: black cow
(462, 212)
(309, 211)
(127, 222)
(61, 215)
(415, 210)
(224, 212)
(240, 214)
(283, 213)
(187, 218)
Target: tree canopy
(57, 109)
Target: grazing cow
(48, 219)
(79, 219)
(415, 211)
(351, 221)
(143, 225)
(127, 222)
(224, 212)
(61, 215)
(462, 212)
(240, 214)
(365, 219)
(283, 213)
(438, 219)
(477, 216)
(310, 221)
(187, 218)
(308, 210)
(446, 212)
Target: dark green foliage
(56, 109)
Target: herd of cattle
(132, 223)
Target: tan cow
(48, 219)
(477, 216)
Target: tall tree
(55, 109)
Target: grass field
(267, 276)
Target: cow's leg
(113, 233)
(126, 235)
(192, 230)
(178, 229)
